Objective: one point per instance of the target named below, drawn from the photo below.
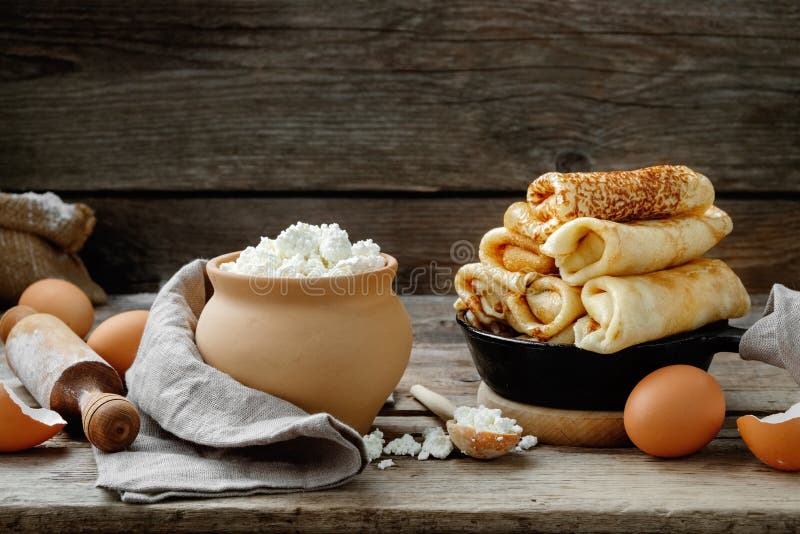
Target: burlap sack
(67, 226)
(39, 238)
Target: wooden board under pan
(554, 426)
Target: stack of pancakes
(604, 260)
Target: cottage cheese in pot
(306, 250)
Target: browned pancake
(650, 193)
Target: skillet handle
(728, 340)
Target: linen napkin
(775, 338)
(204, 434)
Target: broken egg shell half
(775, 439)
(481, 445)
(23, 427)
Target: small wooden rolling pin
(65, 375)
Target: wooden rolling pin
(65, 375)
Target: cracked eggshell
(775, 439)
(23, 427)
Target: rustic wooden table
(721, 489)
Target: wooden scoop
(481, 445)
(65, 375)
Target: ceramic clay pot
(335, 344)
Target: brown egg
(775, 439)
(10, 319)
(674, 411)
(23, 427)
(62, 299)
(117, 339)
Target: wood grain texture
(544, 490)
(402, 95)
(721, 489)
(141, 241)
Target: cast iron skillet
(564, 376)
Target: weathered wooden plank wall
(142, 240)
(195, 127)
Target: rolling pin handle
(110, 422)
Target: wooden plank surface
(140, 240)
(721, 489)
(401, 95)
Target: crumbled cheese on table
(374, 444)
(403, 446)
(436, 443)
(526, 442)
(385, 464)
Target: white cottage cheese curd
(403, 446)
(305, 251)
(373, 443)
(484, 419)
(436, 444)
(526, 442)
(385, 464)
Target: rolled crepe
(519, 219)
(531, 304)
(501, 247)
(625, 311)
(587, 247)
(494, 327)
(565, 337)
(651, 193)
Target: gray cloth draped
(775, 338)
(204, 434)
